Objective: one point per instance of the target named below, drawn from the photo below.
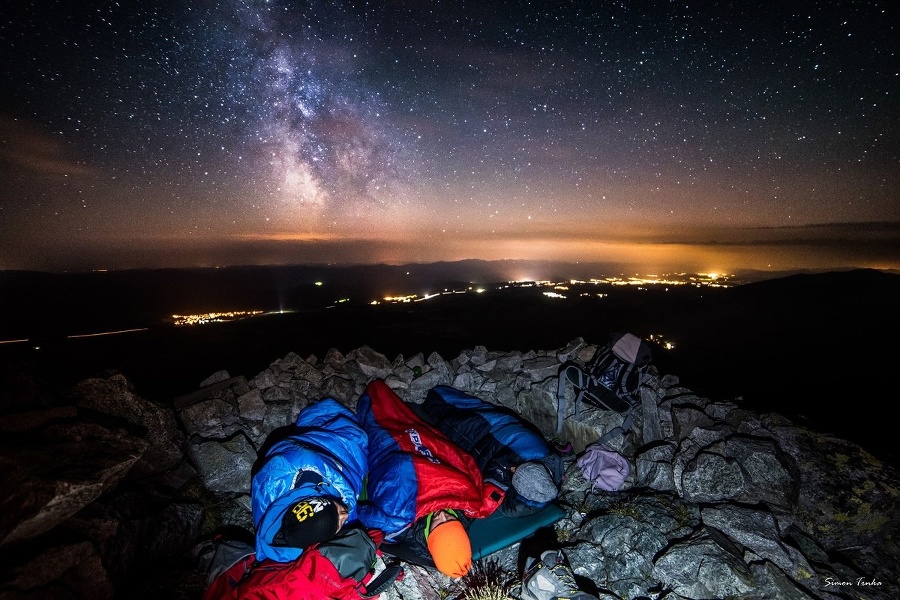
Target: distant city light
(214, 317)
(659, 340)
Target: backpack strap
(622, 429)
(573, 372)
(392, 572)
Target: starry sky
(665, 136)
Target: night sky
(664, 136)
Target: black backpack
(611, 380)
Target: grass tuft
(486, 580)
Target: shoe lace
(564, 574)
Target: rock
(58, 572)
(113, 396)
(215, 378)
(54, 472)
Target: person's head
(312, 520)
(448, 543)
(532, 481)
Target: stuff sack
(341, 568)
(604, 467)
(611, 380)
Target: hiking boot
(551, 578)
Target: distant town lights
(214, 317)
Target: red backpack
(341, 568)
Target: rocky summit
(107, 493)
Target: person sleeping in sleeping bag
(422, 490)
(510, 451)
(305, 485)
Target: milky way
(166, 134)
